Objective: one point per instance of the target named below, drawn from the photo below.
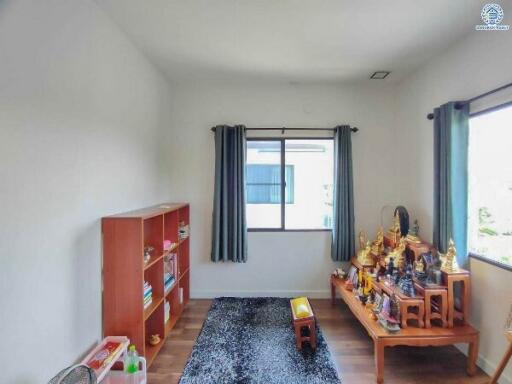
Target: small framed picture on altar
(378, 299)
(351, 273)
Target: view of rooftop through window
(490, 186)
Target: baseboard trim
(211, 294)
(486, 365)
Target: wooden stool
(417, 249)
(441, 312)
(405, 304)
(308, 323)
(450, 278)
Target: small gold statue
(364, 256)
(419, 267)
(412, 236)
(395, 228)
(368, 284)
(362, 240)
(449, 259)
(398, 254)
(394, 233)
(378, 243)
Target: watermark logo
(492, 16)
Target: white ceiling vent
(380, 75)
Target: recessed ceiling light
(380, 75)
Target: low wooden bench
(305, 327)
(410, 336)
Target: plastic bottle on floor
(131, 365)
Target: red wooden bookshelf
(124, 272)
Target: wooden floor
(349, 344)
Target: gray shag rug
(251, 341)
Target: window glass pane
(263, 184)
(490, 186)
(309, 182)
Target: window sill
(490, 261)
(286, 230)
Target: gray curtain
(451, 135)
(229, 228)
(343, 247)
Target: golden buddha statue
(378, 243)
(364, 256)
(449, 259)
(362, 240)
(368, 284)
(419, 267)
(412, 236)
(398, 254)
(394, 233)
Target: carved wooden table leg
(451, 300)
(472, 356)
(378, 347)
(404, 308)
(312, 332)
(466, 297)
(428, 309)
(421, 314)
(444, 309)
(298, 337)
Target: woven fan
(76, 374)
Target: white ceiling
(292, 40)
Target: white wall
(477, 64)
(83, 119)
(289, 263)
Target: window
(306, 188)
(490, 186)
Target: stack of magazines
(167, 310)
(168, 281)
(148, 294)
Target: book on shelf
(148, 294)
(168, 281)
(167, 311)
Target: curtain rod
(282, 129)
(460, 104)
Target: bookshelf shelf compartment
(152, 307)
(124, 238)
(173, 286)
(153, 262)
